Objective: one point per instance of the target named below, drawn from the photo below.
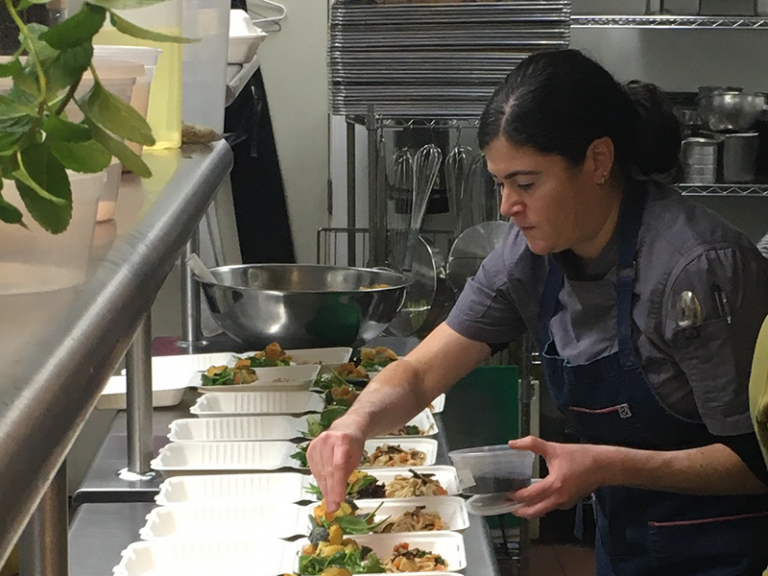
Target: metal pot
(734, 111)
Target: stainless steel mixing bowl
(731, 110)
(303, 306)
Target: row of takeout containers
(225, 508)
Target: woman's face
(556, 206)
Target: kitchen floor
(561, 560)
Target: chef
(646, 307)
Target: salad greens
(356, 560)
(317, 425)
(226, 376)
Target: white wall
(293, 64)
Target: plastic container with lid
(33, 260)
(118, 76)
(205, 63)
(490, 473)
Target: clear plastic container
(145, 56)
(108, 198)
(492, 469)
(117, 76)
(33, 260)
(205, 63)
(164, 112)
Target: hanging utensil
(402, 180)
(426, 165)
(457, 165)
(470, 249)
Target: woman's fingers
(332, 457)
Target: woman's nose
(510, 203)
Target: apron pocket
(718, 546)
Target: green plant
(38, 143)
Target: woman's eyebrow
(515, 173)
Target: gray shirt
(682, 246)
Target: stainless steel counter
(58, 348)
(112, 511)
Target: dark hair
(560, 102)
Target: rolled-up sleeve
(485, 310)
(731, 286)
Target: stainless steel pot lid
(470, 249)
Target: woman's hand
(575, 471)
(332, 457)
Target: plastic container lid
(491, 505)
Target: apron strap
(550, 298)
(630, 221)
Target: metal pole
(351, 196)
(526, 397)
(138, 369)
(191, 330)
(44, 542)
(374, 217)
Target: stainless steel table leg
(138, 368)
(44, 542)
(191, 330)
(526, 398)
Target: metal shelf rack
(677, 22)
(723, 189)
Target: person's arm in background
(485, 312)
(393, 397)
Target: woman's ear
(599, 160)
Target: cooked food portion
(348, 371)
(316, 425)
(416, 520)
(414, 485)
(376, 358)
(347, 517)
(362, 485)
(272, 355)
(405, 559)
(410, 430)
(390, 456)
(344, 395)
(225, 376)
(338, 552)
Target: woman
(594, 266)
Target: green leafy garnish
(316, 425)
(358, 561)
(301, 456)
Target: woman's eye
(525, 186)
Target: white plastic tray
(276, 379)
(200, 557)
(249, 403)
(257, 428)
(237, 428)
(446, 475)
(450, 545)
(164, 393)
(452, 509)
(226, 522)
(179, 458)
(223, 457)
(240, 489)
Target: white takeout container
(275, 379)
(218, 404)
(243, 489)
(326, 357)
(179, 458)
(259, 428)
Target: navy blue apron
(609, 401)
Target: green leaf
(111, 113)
(10, 68)
(128, 157)
(8, 212)
(10, 108)
(135, 31)
(44, 187)
(78, 29)
(125, 4)
(88, 157)
(58, 128)
(67, 67)
(12, 130)
(37, 1)
(43, 50)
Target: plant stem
(25, 32)
(68, 97)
